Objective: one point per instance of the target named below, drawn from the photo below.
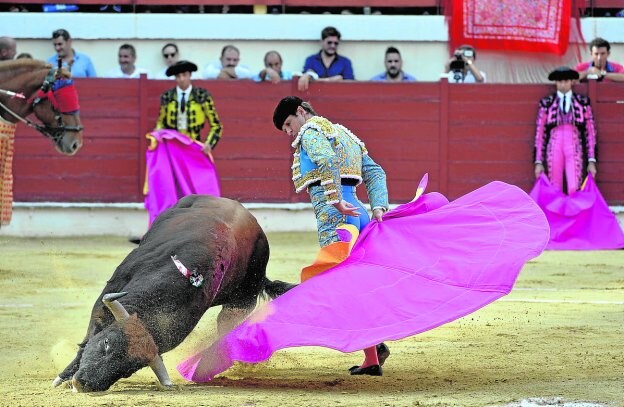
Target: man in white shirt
(127, 67)
(228, 67)
(462, 68)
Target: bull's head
(118, 351)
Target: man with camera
(462, 69)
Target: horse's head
(56, 106)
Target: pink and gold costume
(565, 141)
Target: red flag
(533, 26)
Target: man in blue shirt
(327, 65)
(394, 68)
(79, 64)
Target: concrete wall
(52, 219)
(64, 219)
(421, 39)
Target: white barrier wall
(54, 219)
(421, 39)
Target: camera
(459, 64)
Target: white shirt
(182, 123)
(469, 78)
(212, 71)
(118, 73)
(568, 99)
(163, 75)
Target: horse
(49, 93)
(31, 86)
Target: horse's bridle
(53, 133)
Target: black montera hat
(181, 66)
(563, 73)
(286, 107)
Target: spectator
(462, 68)
(599, 68)
(394, 68)
(565, 139)
(171, 55)
(228, 66)
(8, 48)
(273, 69)
(327, 65)
(127, 67)
(24, 55)
(79, 64)
(194, 109)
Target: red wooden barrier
(462, 135)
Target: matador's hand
(539, 170)
(346, 208)
(591, 168)
(378, 214)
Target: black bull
(215, 237)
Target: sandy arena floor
(558, 336)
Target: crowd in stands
(327, 65)
(590, 11)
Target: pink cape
(428, 263)
(582, 221)
(177, 167)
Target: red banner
(512, 25)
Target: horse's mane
(10, 69)
(22, 64)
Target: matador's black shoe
(372, 370)
(382, 353)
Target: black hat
(181, 66)
(563, 73)
(286, 107)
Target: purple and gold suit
(565, 141)
(330, 162)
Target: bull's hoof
(58, 381)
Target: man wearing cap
(187, 109)
(565, 139)
(330, 161)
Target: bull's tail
(275, 288)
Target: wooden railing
(464, 136)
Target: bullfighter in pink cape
(330, 162)
(565, 138)
(565, 149)
(174, 169)
(427, 263)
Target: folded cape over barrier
(428, 263)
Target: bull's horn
(115, 307)
(159, 369)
